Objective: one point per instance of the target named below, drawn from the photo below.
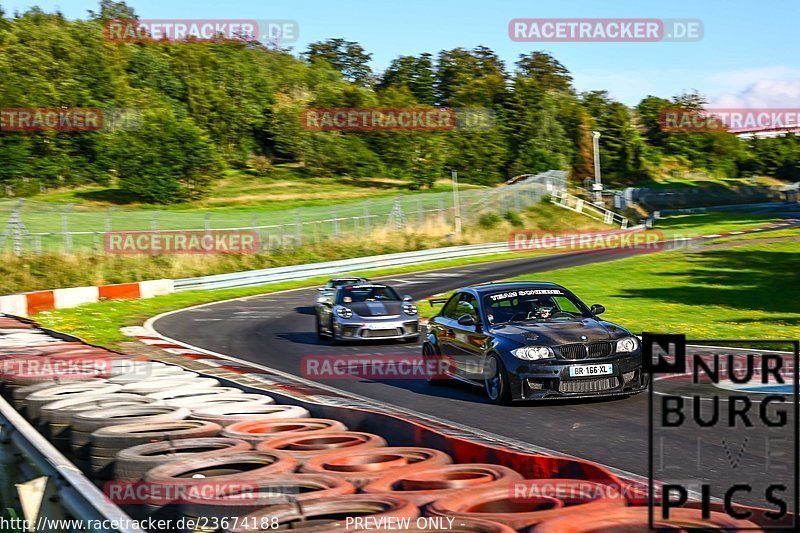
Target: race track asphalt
(278, 331)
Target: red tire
(359, 467)
(426, 485)
(272, 491)
(520, 504)
(303, 447)
(257, 430)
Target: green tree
(347, 57)
(546, 70)
(415, 74)
(166, 160)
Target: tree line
(204, 107)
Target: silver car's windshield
(366, 293)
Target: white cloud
(764, 93)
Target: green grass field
(743, 292)
(708, 223)
(283, 189)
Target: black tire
(334, 340)
(429, 357)
(495, 381)
(320, 335)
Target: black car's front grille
(372, 333)
(593, 350)
(587, 385)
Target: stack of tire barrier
(169, 444)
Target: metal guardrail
(299, 272)
(75, 493)
(579, 205)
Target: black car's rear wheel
(495, 381)
(432, 367)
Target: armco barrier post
(65, 229)
(298, 228)
(335, 222)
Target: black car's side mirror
(466, 320)
(597, 309)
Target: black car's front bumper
(550, 379)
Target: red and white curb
(30, 303)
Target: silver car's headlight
(410, 309)
(627, 345)
(344, 312)
(533, 353)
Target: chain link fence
(42, 227)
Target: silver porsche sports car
(367, 311)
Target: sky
(748, 56)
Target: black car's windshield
(532, 305)
(366, 293)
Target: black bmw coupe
(530, 341)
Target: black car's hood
(381, 308)
(557, 332)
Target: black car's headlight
(343, 312)
(410, 309)
(532, 353)
(627, 345)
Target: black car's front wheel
(495, 381)
(432, 366)
(321, 334)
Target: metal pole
(335, 223)
(598, 185)
(366, 217)
(297, 228)
(65, 229)
(456, 202)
